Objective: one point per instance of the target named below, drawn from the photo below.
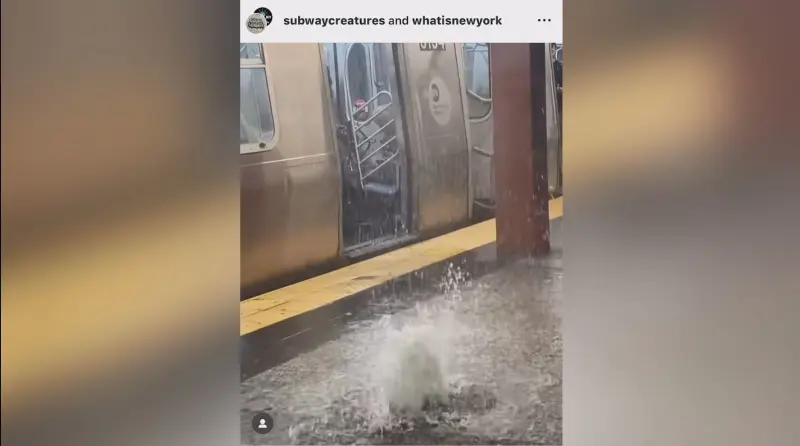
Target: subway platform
(435, 343)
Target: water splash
(410, 379)
(474, 365)
(414, 367)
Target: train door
(478, 88)
(367, 118)
(477, 75)
(437, 134)
(553, 112)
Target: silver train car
(348, 150)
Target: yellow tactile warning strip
(267, 309)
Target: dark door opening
(371, 144)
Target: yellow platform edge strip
(278, 305)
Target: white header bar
(531, 21)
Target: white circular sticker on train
(439, 101)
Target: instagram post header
(448, 21)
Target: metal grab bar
(373, 99)
(485, 205)
(394, 155)
(483, 50)
(479, 97)
(483, 152)
(375, 133)
(368, 120)
(357, 124)
(378, 150)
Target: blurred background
(120, 223)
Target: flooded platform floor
(462, 361)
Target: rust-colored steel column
(520, 149)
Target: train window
(358, 74)
(251, 52)
(257, 124)
(478, 79)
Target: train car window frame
(469, 78)
(264, 144)
(369, 73)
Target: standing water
(478, 363)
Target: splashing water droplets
(443, 370)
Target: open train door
(367, 119)
(554, 114)
(476, 58)
(476, 72)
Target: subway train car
(348, 150)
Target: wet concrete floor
(474, 362)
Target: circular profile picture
(256, 23)
(266, 13)
(259, 20)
